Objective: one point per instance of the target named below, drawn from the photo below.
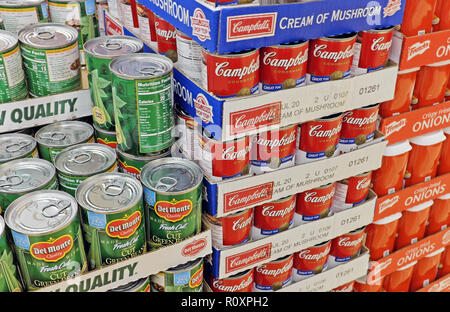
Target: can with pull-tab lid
(17, 145)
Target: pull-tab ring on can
(9, 181)
(81, 157)
(109, 187)
(55, 136)
(60, 207)
(15, 147)
(150, 71)
(166, 183)
(112, 45)
(45, 35)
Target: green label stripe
(13, 86)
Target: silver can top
(171, 175)
(111, 46)
(8, 41)
(15, 145)
(131, 287)
(25, 175)
(21, 3)
(48, 36)
(64, 133)
(85, 159)
(41, 212)
(110, 192)
(141, 66)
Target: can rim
(66, 122)
(25, 136)
(184, 266)
(31, 28)
(98, 129)
(161, 58)
(159, 154)
(231, 55)
(14, 42)
(381, 30)
(93, 41)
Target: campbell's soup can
(362, 285)
(330, 58)
(372, 49)
(240, 282)
(439, 214)
(418, 17)
(431, 84)
(443, 13)
(380, 236)
(389, 177)
(273, 217)
(358, 127)
(230, 230)
(231, 75)
(311, 261)
(424, 157)
(318, 139)
(426, 269)
(274, 275)
(284, 66)
(444, 160)
(346, 247)
(412, 224)
(351, 192)
(273, 149)
(189, 56)
(224, 160)
(399, 280)
(348, 287)
(166, 38)
(314, 204)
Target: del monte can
(22, 176)
(172, 198)
(99, 54)
(46, 232)
(186, 277)
(112, 216)
(17, 145)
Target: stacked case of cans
(411, 162)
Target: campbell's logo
(232, 153)
(321, 51)
(267, 271)
(173, 211)
(394, 126)
(194, 247)
(285, 140)
(52, 250)
(248, 197)
(197, 278)
(165, 33)
(272, 212)
(379, 45)
(270, 59)
(360, 122)
(307, 255)
(363, 184)
(224, 70)
(242, 223)
(348, 242)
(251, 26)
(418, 48)
(316, 131)
(221, 285)
(248, 258)
(254, 118)
(311, 197)
(200, 25)
(124, 228)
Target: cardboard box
(412, 196)
(142, 266)
(440, 285)
(240, 258)
(237, 28)
(229, 196)
(417, 122)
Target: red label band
(166, 36)
(274, 275)
(375, 48)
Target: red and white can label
(274, 217)
(231, 75)
(372, 50)
(224, 160)
(284, 66)
(273, 150)
(241, 282)
(318, 139)
(274, 275)
(358, 127)
(144, 22)
(345, 247)
(330, 59)
(166, 37)
(351, 192)
(314, 204)
(310, 261)
(230, 230)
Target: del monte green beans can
(172, 197)
(45, 228)
(186, 277)
(99, 53)
(17, 14)
(17, 145)
(133, 165)
(51, 58)
(143, 101)
(112, 216)
(21, 176)
(9, 274)
(55, 137)
(105, 137)
(79, 162)
(13, 86)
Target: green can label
(13, 86)
(146, 126)
(114, 237)
(49, 153)
(16, 18)
(172, 218)
(106, 138)
(52, 71)
(52, 258)
(9, 275)
(189, 280)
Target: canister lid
(436, 252)
(64, 133)
(112, 46)
(41, 212)
(15, 145)
(7, 41)
(430, 138)
(389, 219)
(48, 35)
(421, 206)
(397, 148)
(141, 66)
